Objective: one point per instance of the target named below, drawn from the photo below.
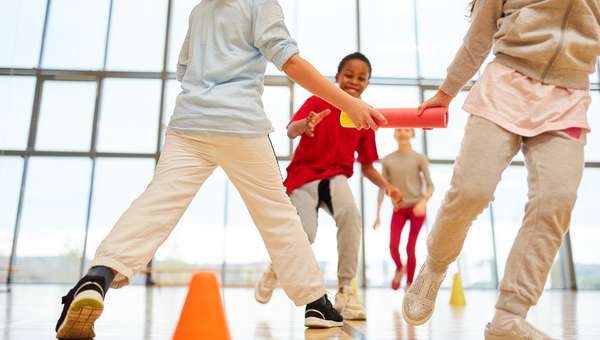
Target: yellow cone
(457, 296)
(354, 287)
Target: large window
(137, 35)
(385, 96)
(179, 24)
(16, 99)
(441, 26)
(592, 149)
(49, 247)
(10, 181)
(21, 24)
(66, 115)
(329, 36)
(86, 96)
(129, 115)
(76, 34)
(117, 182)
(585, 232)
(277, 107)
(389, 43)
(199, 240)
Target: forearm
(303, 73)
(374, 176)
(425, 197)
(380, 196)
(476, 46)
(296, 128)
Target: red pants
(416, 222)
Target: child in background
(318, 178)
(409, 172)
(533, 97)
(219, 121)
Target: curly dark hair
(353, 56)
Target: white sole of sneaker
(414, 322)
(83, 312)
(489, 336)
(312, 322)
(262, 299)
(350, 314)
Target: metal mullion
(291, 113)
(84, 74)
(30, 142)
(18, 71)
(104, 74)
(363, 259)
(107, 36)
(424, 136)
(17, 226)
(87, 217)
(225, 224)
(363, 275)
(495, 272)
(568, 264)
(68, 154)
(93, 143)
(358, 30)
(416, 28)
(44, 34)
(30, 145)
(35, 112)
(164, 76)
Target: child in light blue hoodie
(219, 121)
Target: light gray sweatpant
(185, 163)
(554, 163)
(333, 195)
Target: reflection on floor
(30, 311)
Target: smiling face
(354, 77)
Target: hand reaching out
(376, 223)
(313, 119)
(364, 116)
(420, 208)
(440, 99)
(395, 195)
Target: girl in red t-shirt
(318, 176)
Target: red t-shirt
(330, 151)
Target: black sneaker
(321, 314)
(82, 306)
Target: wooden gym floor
(30, 312)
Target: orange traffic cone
(202, 316)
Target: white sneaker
(507, 326)
(265, 286)
(349, 304)
(419, 300)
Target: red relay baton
(431, 118)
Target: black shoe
(321, 314)
(82, 306)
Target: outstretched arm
(302, 72)
(376, 178)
